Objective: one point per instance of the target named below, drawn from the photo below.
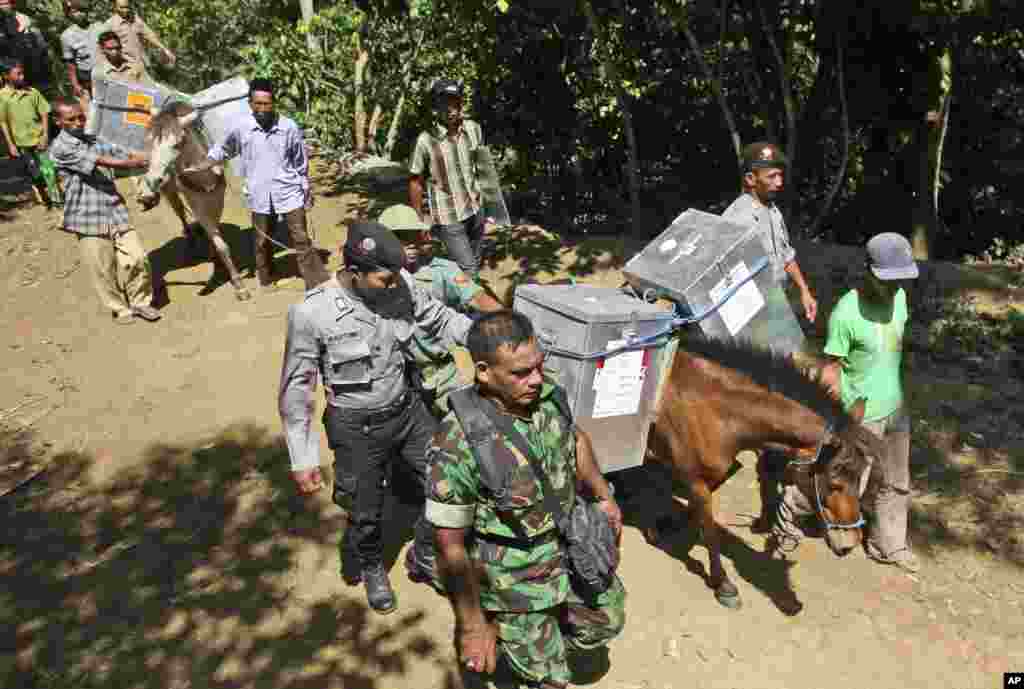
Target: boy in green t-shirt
(865, 344)
(24, 121)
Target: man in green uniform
(498, 550)
(445, 281)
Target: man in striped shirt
(447, 157)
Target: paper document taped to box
(619, 383)
(741, 306)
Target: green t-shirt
(870, 343)
(23, 110)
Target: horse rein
(815, 475)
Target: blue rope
(677, 322)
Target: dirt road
(162, 545)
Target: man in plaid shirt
(448, 155)
(95, 211)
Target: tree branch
(845, 123)
(716, 88)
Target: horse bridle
(815, 475)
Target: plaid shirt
(453, 186)
(92, 204)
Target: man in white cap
(865, 345)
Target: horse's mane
(775, 372)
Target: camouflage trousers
(534, 644)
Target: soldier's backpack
(585, 533)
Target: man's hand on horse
(478, 648)
(308, 481)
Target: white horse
(173, 146)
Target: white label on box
(743, 305)
(619, 384)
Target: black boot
(379, 593)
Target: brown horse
(722, 398)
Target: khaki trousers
(119, 269)
(891, 501)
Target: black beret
(372, 245)
(762, 154)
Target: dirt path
(163, 545)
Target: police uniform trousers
(534, 644)
(365, 442)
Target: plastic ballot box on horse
(612, 353)
(120, 112)
(221, 107)
(703, 262)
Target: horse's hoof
(243, 294)
(728, 595)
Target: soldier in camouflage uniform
(445, 281)
(498, 552)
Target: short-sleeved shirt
(131, 34)
(92, 204)
(515, 579)
(78, 47)
(131, 71)
(274, 163)
(23, 111)
(869, 340)
(771, 228)
(449, 163)
(443, 280)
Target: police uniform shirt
(360, 354)
(770, 227)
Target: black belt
(518, 543)
(378, 415)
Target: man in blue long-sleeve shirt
(276, 171)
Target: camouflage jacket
(512, 578)
(443, 280)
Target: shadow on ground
(180, 574)
(648, 499)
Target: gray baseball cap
(890, 257)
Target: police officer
(764, 170)
(445, 281)
(356, 330)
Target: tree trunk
(359, 115)
(788, 103)
(407, 84)
(307, 14)
(371, 134)
(716, 88)
(845, 123)
(931, 133)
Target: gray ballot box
(120, 112)
(698, 261)
(221, 107)
(613, 396)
